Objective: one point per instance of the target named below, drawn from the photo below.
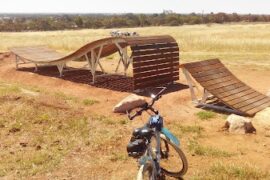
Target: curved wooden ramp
(217, 80)
(155, 59)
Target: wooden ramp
(155, 59)
(219, 82)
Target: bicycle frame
(153, 157)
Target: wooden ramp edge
(217, 80)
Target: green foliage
(205, 115)
(89, 102)
(232, 171)
(200, 150)
(192, 129)
(241, 172)
(37, 22)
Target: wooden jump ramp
(155, 59)
(155, 62)
(218, 82)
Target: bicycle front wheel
(173, 161)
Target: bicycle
(153, 144)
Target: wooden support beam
(36, 67)
(191, 86)
(17, 61)
(60, 68)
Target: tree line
(49, 22)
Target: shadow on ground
(112, 82)
(170, 88)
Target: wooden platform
(155, 59)
(216, 79)
(155, 64)
(37, 54)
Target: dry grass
(233, 43)
(227, 171)
(200, 150)
(49, 133)
(38, 132)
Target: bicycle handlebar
(147, 106)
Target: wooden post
(205, 96)
(124, 57)
(190, 84)
(36, 67)
(120, 60)
(17, 61)
(60, 68)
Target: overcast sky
(134, 6)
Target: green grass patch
(223, 171)
(118, 156)
(8, 89)
(89, 102)
(63, 96)
(206, 115)
(106, 120)
(200, 150)
(179, 130)
(232, 171)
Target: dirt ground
(176, 107)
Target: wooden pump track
(155, 59)
(218, 81)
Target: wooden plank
(152, 57)
(256, 104)
(210, 72)
(151, 41)
(155, 51)
(233, 91)
(222, 85)
(152, 62)
(249, 101)
(227, 88)
(155, 67)
(205, 68)
(238, 95)
(213, 76)
(153, 46)
(155, 72)
(217, 81)
(258, 108)
(201, 63)
(144, 78)
(153, 78)
(243, 98)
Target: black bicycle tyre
(182, 156)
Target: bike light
(153, 96)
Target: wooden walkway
(217, 80)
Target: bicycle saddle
(143, 132)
